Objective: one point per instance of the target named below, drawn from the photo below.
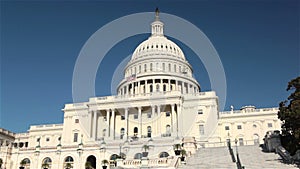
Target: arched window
(163, 155)
(138, 156)
(168, 129)
(149, 131)
(47, 162)
(169, 67)
(150, 66)
(145, 68)
(151, 88)
(122, 133)
(135, 130)
(68, 162)
(26, 163)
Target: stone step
(252, 157)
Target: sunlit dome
(157, 44)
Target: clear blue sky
(258, 43)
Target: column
(146, 86)
(139, 87)
(140, 121)
(158, 120)
(90, 123)
(176, 85)
(126, 123)
(107, 121)
(172, 116)
(169, 85)
(127, 90)
(112, 134)
(94, 135)
(179, 127)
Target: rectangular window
(201, 129)
(168, 114)
(76, 120)
(75, 139)
(226, 127)
(149, 115)
(104, 118)
(47, 139)
(122, 117)
(200, 111)
(239, 127)
(135, 116)
(270, 125)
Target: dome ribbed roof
(157, 45)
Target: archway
(68, 162)
(25, 163)
(163, 155)
(138, 156)
(46, 163)
(90, 162)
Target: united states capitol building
(159, 104)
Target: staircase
(219, 158)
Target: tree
(289, 114)
(45, 165)
(1, 162)
(88, 165)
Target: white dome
(157, 45)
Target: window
(122, 133)
(163, 66)
(226, 127)
(135, 130)
(241, 141)
(104, 118)
(103, 132)
(76, 120)
(157, 87)
(150, 66)
(239, 127)
(149, 114)
(169, 67)
(75, 139)
(122, 117)
(164, 88)
(175, 68)
(151, 88)
(47, 139)
(140, 68)
(270, 125)
(145, 68)
(201, 129)
(254, 126)
(135, 116)
(168, 114)
(200, 111)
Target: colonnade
(111, 114)
(157, 85)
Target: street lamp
(236, 149)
